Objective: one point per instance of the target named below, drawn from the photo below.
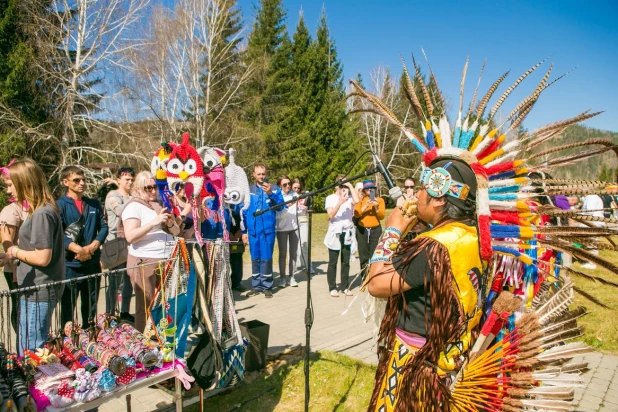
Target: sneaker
(253, 292)
(589, 265)
(292, 282)
(268, 294)
(239, 288)
(334, 293)
(127, 317)
(282, 283)
(348, 292)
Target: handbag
(237, 246)
(75, 232)
(114, 253)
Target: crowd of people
(47, 239)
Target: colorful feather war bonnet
(522, 238)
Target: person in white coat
(340, 236)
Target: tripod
(309, 309)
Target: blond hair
(140, 182)
(31, 185)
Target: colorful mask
(185, 166)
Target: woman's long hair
(31, 185)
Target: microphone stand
(309, 308)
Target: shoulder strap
(149, 205)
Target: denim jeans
(34, 317)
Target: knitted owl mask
(185, 166)
(237, 184)
(158, 168)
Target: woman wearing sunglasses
(409, 187)
(150, 229)
(303, 228)
(409, 194)
(287, 235)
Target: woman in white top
(340, 235)
(150, 229)
(287, 233)
(303, 228)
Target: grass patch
(601, 324)
(338, 383)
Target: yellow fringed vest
(461, 242)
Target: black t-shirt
(418, 298)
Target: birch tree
(85, 43)
(381, 137)
(189, 75)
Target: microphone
(393, 191)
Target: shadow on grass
(337, 383)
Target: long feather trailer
(508, 91)
(438, 93)
(483, 104)
(582, 254)
(411, 93)
(565, 122)
(604, 142)
(476, 89)
(589, 183)
(532, 97)
(426, 97)
(385, 112)
(576, 231)
(574, 158)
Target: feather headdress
(521, 240)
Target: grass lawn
(338, 383)
(601, 324)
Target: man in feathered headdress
(433, 282)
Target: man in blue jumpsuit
(261, 231)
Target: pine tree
(268, 35)
(286, 136)
(329, 125)
(23, 95)
(314, 138)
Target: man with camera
(368, 214)
(85, 230)
(261, 231)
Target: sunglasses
(78, 179)
(149, 188)
(285, 184)
(411, 187)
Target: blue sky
(510, 34)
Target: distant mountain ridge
(588, 169)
